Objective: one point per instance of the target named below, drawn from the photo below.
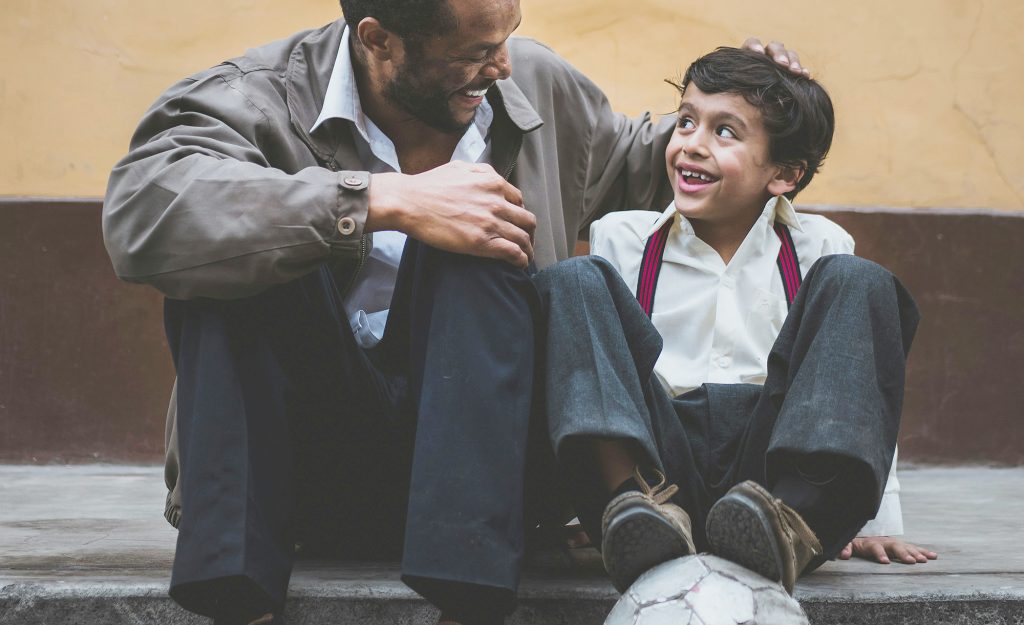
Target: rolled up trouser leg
(835, 385)
(600, 351)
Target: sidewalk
(87, 544)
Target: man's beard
(427, 103)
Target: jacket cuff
(353, 206)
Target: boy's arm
(877, 540)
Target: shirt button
(346, 226)
(728, 282)
(724, 362)
(353, 182)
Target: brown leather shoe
(751, 528)
(641, 529)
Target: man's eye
(686, 123)
(477, 58)
(725, 131)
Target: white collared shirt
(369, 299)
(719, 321)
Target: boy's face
(718, 160)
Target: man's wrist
(385, 208)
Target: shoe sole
(637, 539)
(740, 530)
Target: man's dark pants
(833, 394)
(290, 433)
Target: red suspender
(650, 265)
(789, 264)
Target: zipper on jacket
(515, 158)
(359, 265)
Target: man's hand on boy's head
(883, 549)
(786, 58)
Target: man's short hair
(796, 110)
(412, 20)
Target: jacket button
(353, 182)
(346, 226)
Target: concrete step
(87, 545)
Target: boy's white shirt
(719, 321)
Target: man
(325, 398)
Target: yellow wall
(929, 93)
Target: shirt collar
(778, 208)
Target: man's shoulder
(535, 65)
(270, 62)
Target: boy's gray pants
(834, 388)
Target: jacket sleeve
(197, 210)
(626, 165)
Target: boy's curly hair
(796, 110)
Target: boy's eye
(686, 123)
(726, 132)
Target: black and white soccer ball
(705, 590)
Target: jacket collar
(309, 72)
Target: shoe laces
(660, 492)
(798, 526)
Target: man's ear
(786, 179)
(378, 41)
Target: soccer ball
(704, 590)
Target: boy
(769, 419)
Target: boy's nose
(696, 145)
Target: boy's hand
(882, 548)
(786, 58)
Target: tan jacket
(225, 192)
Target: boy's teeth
(689, 174)
(475, 93)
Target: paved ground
(88, 544)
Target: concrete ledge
(87, 544)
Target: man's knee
(469, 275)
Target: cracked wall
(927, 92)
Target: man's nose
(500, 65)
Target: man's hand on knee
(467, 208)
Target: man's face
(442, 80)
(718, 158)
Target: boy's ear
(786, 179)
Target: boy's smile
(719, 161)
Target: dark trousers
(290, 434)
(834, 390)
